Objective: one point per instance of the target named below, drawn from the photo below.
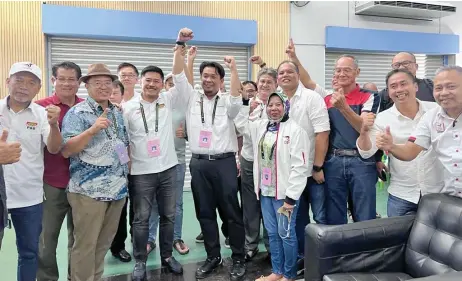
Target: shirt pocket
(31, 142)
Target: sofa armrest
(453, 276)
(369, 246)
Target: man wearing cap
(33, 127)
(65, 79)
(96, 142)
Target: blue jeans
(352, 175)
(399, 207)
(282, 237)
(314, 195)
(154, 218)
(27, 223)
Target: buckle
(211, 158)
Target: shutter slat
(85, 52)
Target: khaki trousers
(95, 225)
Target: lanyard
(262, 149)
(144, 118)
(113, 117)
(213, 112)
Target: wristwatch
(317, 168)
(263, 65)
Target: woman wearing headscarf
(280, 173)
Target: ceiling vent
(405, 9)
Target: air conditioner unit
(422, 10)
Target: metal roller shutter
(374, 67)
(85, 52)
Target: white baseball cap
(26, 67)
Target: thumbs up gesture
(368, 121)
(384, 140)
(101, 123)
(9, 152)
(180, 132)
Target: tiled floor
(121, 271)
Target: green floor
(8, 254)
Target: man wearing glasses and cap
(96, 142)
(33, 127)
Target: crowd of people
(283, 142)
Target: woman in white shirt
(280, 172)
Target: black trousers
(214, 185)
(118, 244)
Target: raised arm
(235, 100)
(403, 152)
(192, 52)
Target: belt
(214, 156)
(345, 152)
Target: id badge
(153, 147)
(266, 176)
(122, 153)
(205, 139)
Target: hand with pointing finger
(290, 51)
(384, 140)
(101, 123)
(9, 152)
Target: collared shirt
(258, 113)
(24, 179)
(56, 166)
(342, 134)
(96, 171)
(222, 132)
(442, 133)
(144, 161)
(136, 95)
(407, 179)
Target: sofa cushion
(389, 276)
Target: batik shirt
(96, 171)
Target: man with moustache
(439, 129)
(65, 79)
(33, 127)
(150, 127)
(96, 141)
(408, 180)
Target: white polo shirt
(309, 111)
(136, 95)
(258, 113)
(24, 179)
(222, 132)
(442, 133)
(408, 179)
(142, 139)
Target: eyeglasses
(101, 84)
(63, 80)
(405, 64)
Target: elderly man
(65, 79)
(405, 60)
(96, 141)
(33, 127)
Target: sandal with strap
(180, 247)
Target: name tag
(122, 153)
(153, 147)
(205, 139)
(266, 176)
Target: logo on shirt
(286, 140)
(31, 125)
(161, 105)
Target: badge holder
(122, 152)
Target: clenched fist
(368, 121)
(230, 62)
(53, 112)
(185, 34)
(256, 60)
(192, 52)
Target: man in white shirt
(128, 75)
(440, 129)
(408, 180)
(150, 128)
(213, 143)
(33, 127)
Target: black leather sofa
(425, 247)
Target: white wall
(308, 28)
